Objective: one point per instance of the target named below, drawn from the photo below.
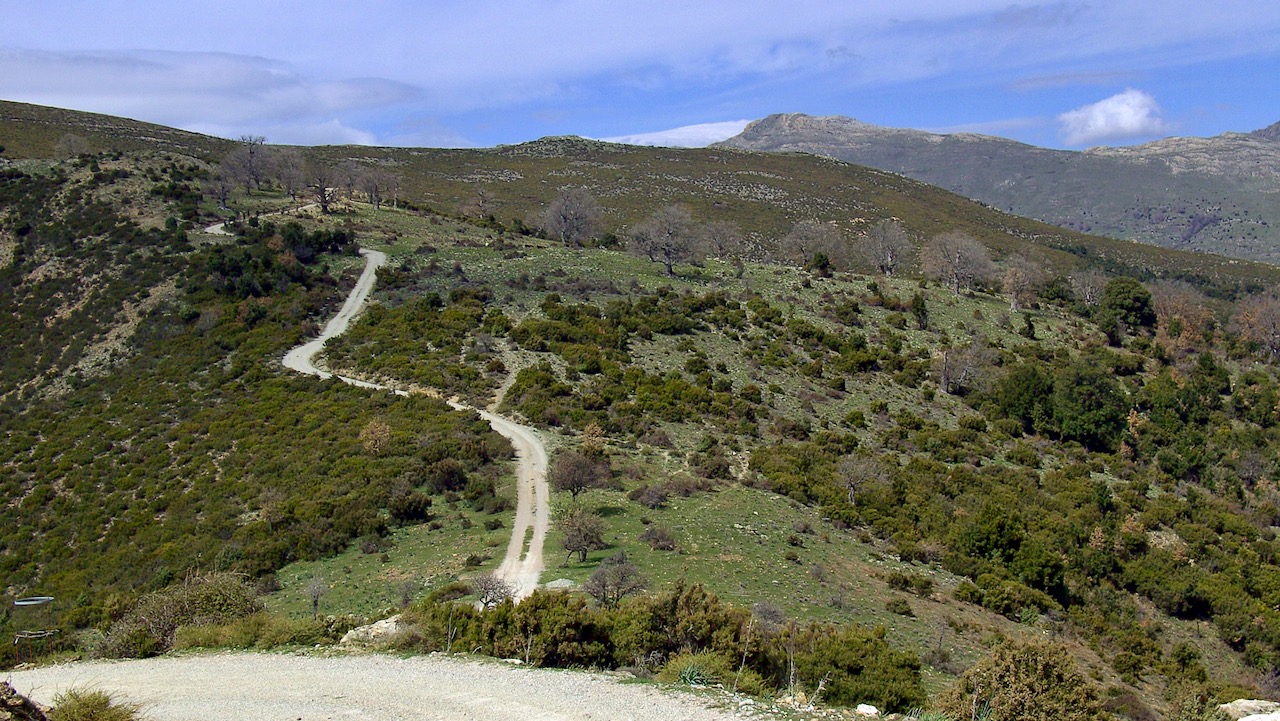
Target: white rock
(373, 632)
(866, 709)
(1249, 707)
(1274, 716)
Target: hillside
(787, 449)
(1204, 194)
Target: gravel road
(271, 687)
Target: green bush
(1024, 680)
(92, 705)
(149, 627)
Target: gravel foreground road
(274, 687)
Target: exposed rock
(373, 633)
(866, 709)
(1249, 708)
(16, 707)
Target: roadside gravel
(273, 687)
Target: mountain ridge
(1199, 194)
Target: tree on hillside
(1125, 307)
(722, 239)
(1088, 286)
(958, 369)
(583, 532)
(815, 245)
(1021, 276)
(248, 161)
(290, 171)
(576, 472)
(491, 590)
(219, 184)
(322, 180)
(1182, 312)
(375, 182)
(1257, 319)
(348, 174)
(479, 205)
(667, 237)
(572, 218)
(1089, 406)
(957, 260)
(614, 580)
(886, 246)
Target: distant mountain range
(1214, 195)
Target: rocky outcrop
(374, 633)
(16, 707)
(1252, 709)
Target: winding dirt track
(521, 569)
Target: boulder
(373, 633)
(1245, 708)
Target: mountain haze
(1203, 194)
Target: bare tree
(1257, 318)
(248, 161)
(572, 218)
(886, 246)
(1182, 312)
(576, 472)
(583, 533)
(722, 239)
(321, 181)
(816, 245)
(614, 580)
(666, 237)
(349, 173)
(315, 590)
(290, 171)
(854, 472)
(480, 205)
(375, 182)
(958, 369)
(70, 145)
(957, 260)
(1088, 286)
(1021, 276)
(219, 184)
(491, 590)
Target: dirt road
(269, 687)
(520, 568)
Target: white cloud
(688, 136)
(1124, 116)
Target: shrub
(148, 628)
(1024, 680)
(92, 705)
(899, 606)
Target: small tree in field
(576, 472)
(491, 590)
(614, 580)
(886, 246)
(583, 533)
(667, 237)
(572, 218)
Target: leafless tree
(375, 182)
(572, 218)
(70, 145)
(479, 205)
(290, 171)
(219, 184)
(1021, 276)
(248, 161)
(722, 239)
(349, 173)
(886, 246)
(667, 237)
(583, 533)
(576, 472)
(491, 590)
(854, 472)
(1182, 312)
(614, 580)
(815, 244)
(957, 260)
(315, 590)
(322, 180)
(958, 369)
(1088, 286)
(1257, 318)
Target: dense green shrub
(1024, 680)
(149, 627)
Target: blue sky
(477, 73)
